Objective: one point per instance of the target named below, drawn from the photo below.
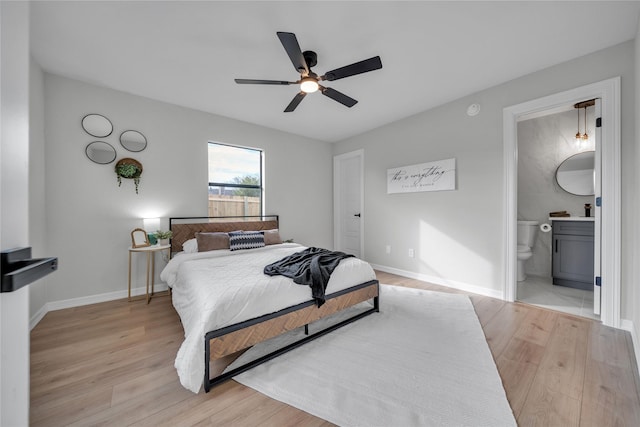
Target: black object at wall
(19, 269)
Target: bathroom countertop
(572, 218)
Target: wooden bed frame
(240, 336)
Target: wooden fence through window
(220, 205)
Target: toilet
(526, 238)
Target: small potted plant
(163, 236)
(129, 169)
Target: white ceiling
(188, 53)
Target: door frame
(337, 204)
(597, 225)
(609, 92)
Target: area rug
(422, 361)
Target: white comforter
(219, 288)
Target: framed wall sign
(433, 176)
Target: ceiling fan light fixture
(309, 81)
(309, 85)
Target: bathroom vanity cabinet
(572, 260)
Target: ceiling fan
(309, 81)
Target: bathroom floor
(541, 292)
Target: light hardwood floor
(112, 364)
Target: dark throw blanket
(311, 267)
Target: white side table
(151, 265)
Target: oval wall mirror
(576, 175)
(133, 140)
(101, 152)
(97, 125)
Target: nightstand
(150, 251)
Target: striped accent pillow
(245, 240)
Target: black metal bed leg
(207, 359)
(376, 304)
(306, 329)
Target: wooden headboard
(185, 228)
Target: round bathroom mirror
(97, 125)
(101, 152)
(133, 140)
(576, 175)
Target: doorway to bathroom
(556, 221)
(606, 234)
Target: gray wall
(458, 234)
(544, 143)
(89, 218)
(37, 183)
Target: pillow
(272, 237)
(212, 241)
(245, 240)
(190, 246)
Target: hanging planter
(129, 169)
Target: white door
(348, 202)
(597, 211)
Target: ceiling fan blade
(294, 102)
(290, 44)
(262, 82)
(338, 96)
(351, 70)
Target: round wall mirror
(576, 175)
(97, 125)
(101, 152)
(133, 140)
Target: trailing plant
(129, 169)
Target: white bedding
(219, 288)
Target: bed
(227, 304)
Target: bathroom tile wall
(544, 143)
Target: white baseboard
(36, 318)
(467, 287)
(628, 325)
(92, 299)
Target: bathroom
(544, 143)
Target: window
(235, 180)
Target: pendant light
(582, 138)
(578, 135)
(585, 136)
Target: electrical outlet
(388, 249)
(411, 253)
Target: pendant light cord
(585, 136)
